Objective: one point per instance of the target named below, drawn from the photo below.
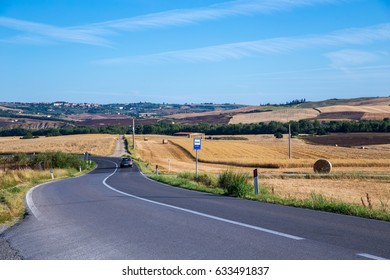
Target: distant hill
(63, 114)
(333, 109)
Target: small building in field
(190, 134)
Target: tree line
(168, 128)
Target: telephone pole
(289, 141)
(133, 135)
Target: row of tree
(297, 127)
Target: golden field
(263, 150)
(281, 115)
(96, 144)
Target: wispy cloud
(95, 34)
(352, 36)
(45, 32)
(349, 57)
(181, 17)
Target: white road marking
(372, 257)
(30, 203)
(200, 213)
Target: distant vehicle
(126, 162)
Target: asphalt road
(115, 213)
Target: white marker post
(197, 147)
(169, 166)
(256, 181)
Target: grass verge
(315, 202)
(14, 184)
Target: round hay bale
(322, 166)
(165, 141)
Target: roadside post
(169, 166)
(256, 181)
(52, 173)
(157, 170)
(289, 141)
(197, 147)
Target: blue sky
(244, 52)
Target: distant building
(190, 134)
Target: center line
(200, 213)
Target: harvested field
(262, 151)
(96, 144)
(349, 181)
(266, 151)
(363, 109)
(281, 115)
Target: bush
(58, 160)
(278, 135)
(208, 180)
(235, 183)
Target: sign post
(197, 147)
(256, 181)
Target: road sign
(197, 144)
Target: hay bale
(165, 141)
(322, 166)
(146, 139)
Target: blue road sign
(197, 144)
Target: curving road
(115, 213)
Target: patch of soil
(119, 121)
(350, 139)
(213, 119)
(341, 116)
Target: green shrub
(278, 135)
(205, 179)
(235, 183)
(58, 160)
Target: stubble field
(95, 144)
(358, 174)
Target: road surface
(114, 213)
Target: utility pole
(133, 135)
(289, 141)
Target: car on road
(126, 162)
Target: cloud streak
(95, 34)
(45, 31)
(352, 36)
(182, 17)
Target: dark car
(126, 162)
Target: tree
(278, 135)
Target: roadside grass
(316, 201)
(14, 184)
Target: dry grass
(281, 115)
(96, 144)
(351, 190)
(13, 186)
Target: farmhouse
(190, 134)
